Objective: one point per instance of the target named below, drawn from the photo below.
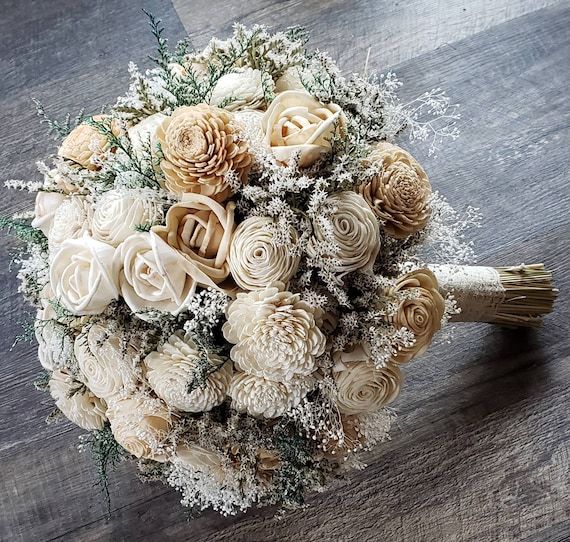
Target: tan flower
(421, 312)
(274, 333)
(399, 194)
(76, 402)
(200, 229)
(197, 457)
(351, 441)
(201, 147)
(141, 425)
(256, 260)
(85, 143)
(107, 366)
(47, 204)
(362, 388)
(71, 220)
(239, 90)
(176, 365)
(355, 232)
(295, 122)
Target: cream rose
(76, 402)
(354, 229)
(175, 366)
(362, 388)
(239, 90)
(118, 212)
(421, 312)
(200, 230)
(256, 260)
(141, 425)
(143, 135)
(47, 203)
(274, 333)
(152, 275)
(72, 220)
(84, 276)
(107, 366)
(295, 122)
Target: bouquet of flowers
(232, 264)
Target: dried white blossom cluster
(219, 265)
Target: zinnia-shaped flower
(200, 147)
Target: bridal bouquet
(233, 263)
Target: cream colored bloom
(264, 398)
(256, 260)
(295, 122)
(290, 80)
(54, 342)
(199, 458)
(47, 203)
(143, 135)
(118, 212)
(361, 387)
(421, 312)
(399, 194)
(274, 333)
(76, 402)
(176, 366)
(141, 425)
(200, 147)
(71, 220)
(354, 230)
(84, 276)
(107, 366)
(200, 230)
(239, 90)
(249, 124)
(152, 275)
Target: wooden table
(481, 449)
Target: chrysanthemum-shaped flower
(399, 193)
(256, 260)
(71, 220)
(274, 333)
(185, 377)
(200, 147)
(76, 402)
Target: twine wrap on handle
(515, 296)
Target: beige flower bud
(174, 366)
(355, 231)
(256, 260)
(399, 194)
(199, 458)
(200, 148)
(421, 313)
(362, 388)
(47, 203)
(290, 80)
(239, 90)
(200, 230)
(295, 122)
(76, 402)
(141, 425)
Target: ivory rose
(421, 311)
(256, 260)
(118, 212)
(239, 90)
(47, 203)
(76, 402)
(295, 122)
(362, 388)
(152, 275)
(200, 230)
(84, 275)
(354, 230)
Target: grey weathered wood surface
(481, 451)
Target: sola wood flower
(399, 193)
(362, 388)
(200, 147)
(141, 425)
(256, 260)
(421, 311)
(264, 398)
(353, 229)
(297, 123)
(143, 135)
(199, 458)
(274, 333)
(179, 364)
(54, 341)
(76, 402)
(239, 90)
(47, 203)
(84, 275)
(200, 230)
(71, 220)
(107, 366)
(86, 142)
